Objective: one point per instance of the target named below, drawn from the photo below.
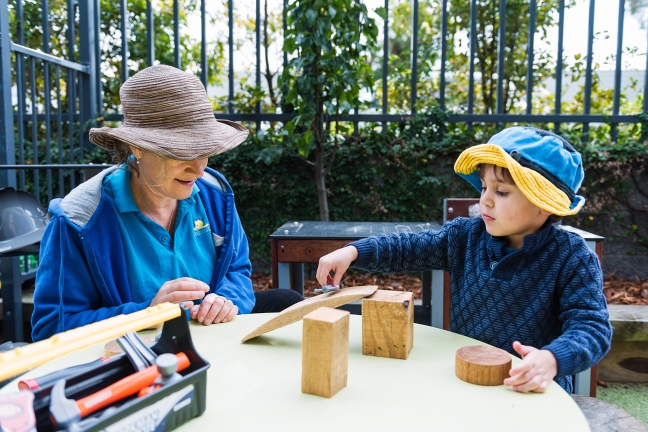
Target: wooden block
(325, 352)
(388, 324)
(482, 365)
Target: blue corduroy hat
(546, 168)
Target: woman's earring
(137, 161)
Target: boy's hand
(337, 262)
(536, 371)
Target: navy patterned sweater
(547, 294)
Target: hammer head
(63, 411)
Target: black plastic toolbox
(162, 410)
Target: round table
(256, 385)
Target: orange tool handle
(125, 387)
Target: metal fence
(50, 102)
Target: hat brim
(535, 187)
(193, 142)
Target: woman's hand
(214, 309)
(182, 290)
(337, 262)
(536, 371)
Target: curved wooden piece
(297, 311)
(482, 365)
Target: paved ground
(606, 417)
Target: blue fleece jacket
(547, 294)
(82, 274)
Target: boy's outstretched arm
(537, 370)
(337, 262)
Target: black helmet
(22, 219)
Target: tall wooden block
(388, 324)
(325, 351)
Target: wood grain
(482, 365)
(388, 324)
(325, 352)
(297, 311)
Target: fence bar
(96, 60)
(176, 34)
(452, 118)
(47, 91)
(501, 48)
(559, 60)
(71, 111)
(385, 65)
(34, 124)
(20, 126)
(356, 110)
(617, 70)
(89, 81)
(48, 124)
(471, 61)
(544, 118)
(444, 52)
(53, 166)
(645, 101)
(203, 45)
(530, 56)
(587, 103)
(45, 25)
(230, 44)
(48, 58)
(7, 150)
(59, 128)
(20, 87)
(414, 55)
(123, 26)
(70, 29)
(285, 28)
(150, 33)
(257, 32)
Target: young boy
(517, 281)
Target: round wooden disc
(112, 347)
(482, 365)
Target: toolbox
(163, 409)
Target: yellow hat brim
(536, 188)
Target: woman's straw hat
(167, 112)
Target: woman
(158, 227)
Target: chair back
(455, 207)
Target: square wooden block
(325, 351)
(388, 324)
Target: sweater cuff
(365, 253)
(565, 360)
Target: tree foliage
(329, 41)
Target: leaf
(270, 155)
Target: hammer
(64, 412)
